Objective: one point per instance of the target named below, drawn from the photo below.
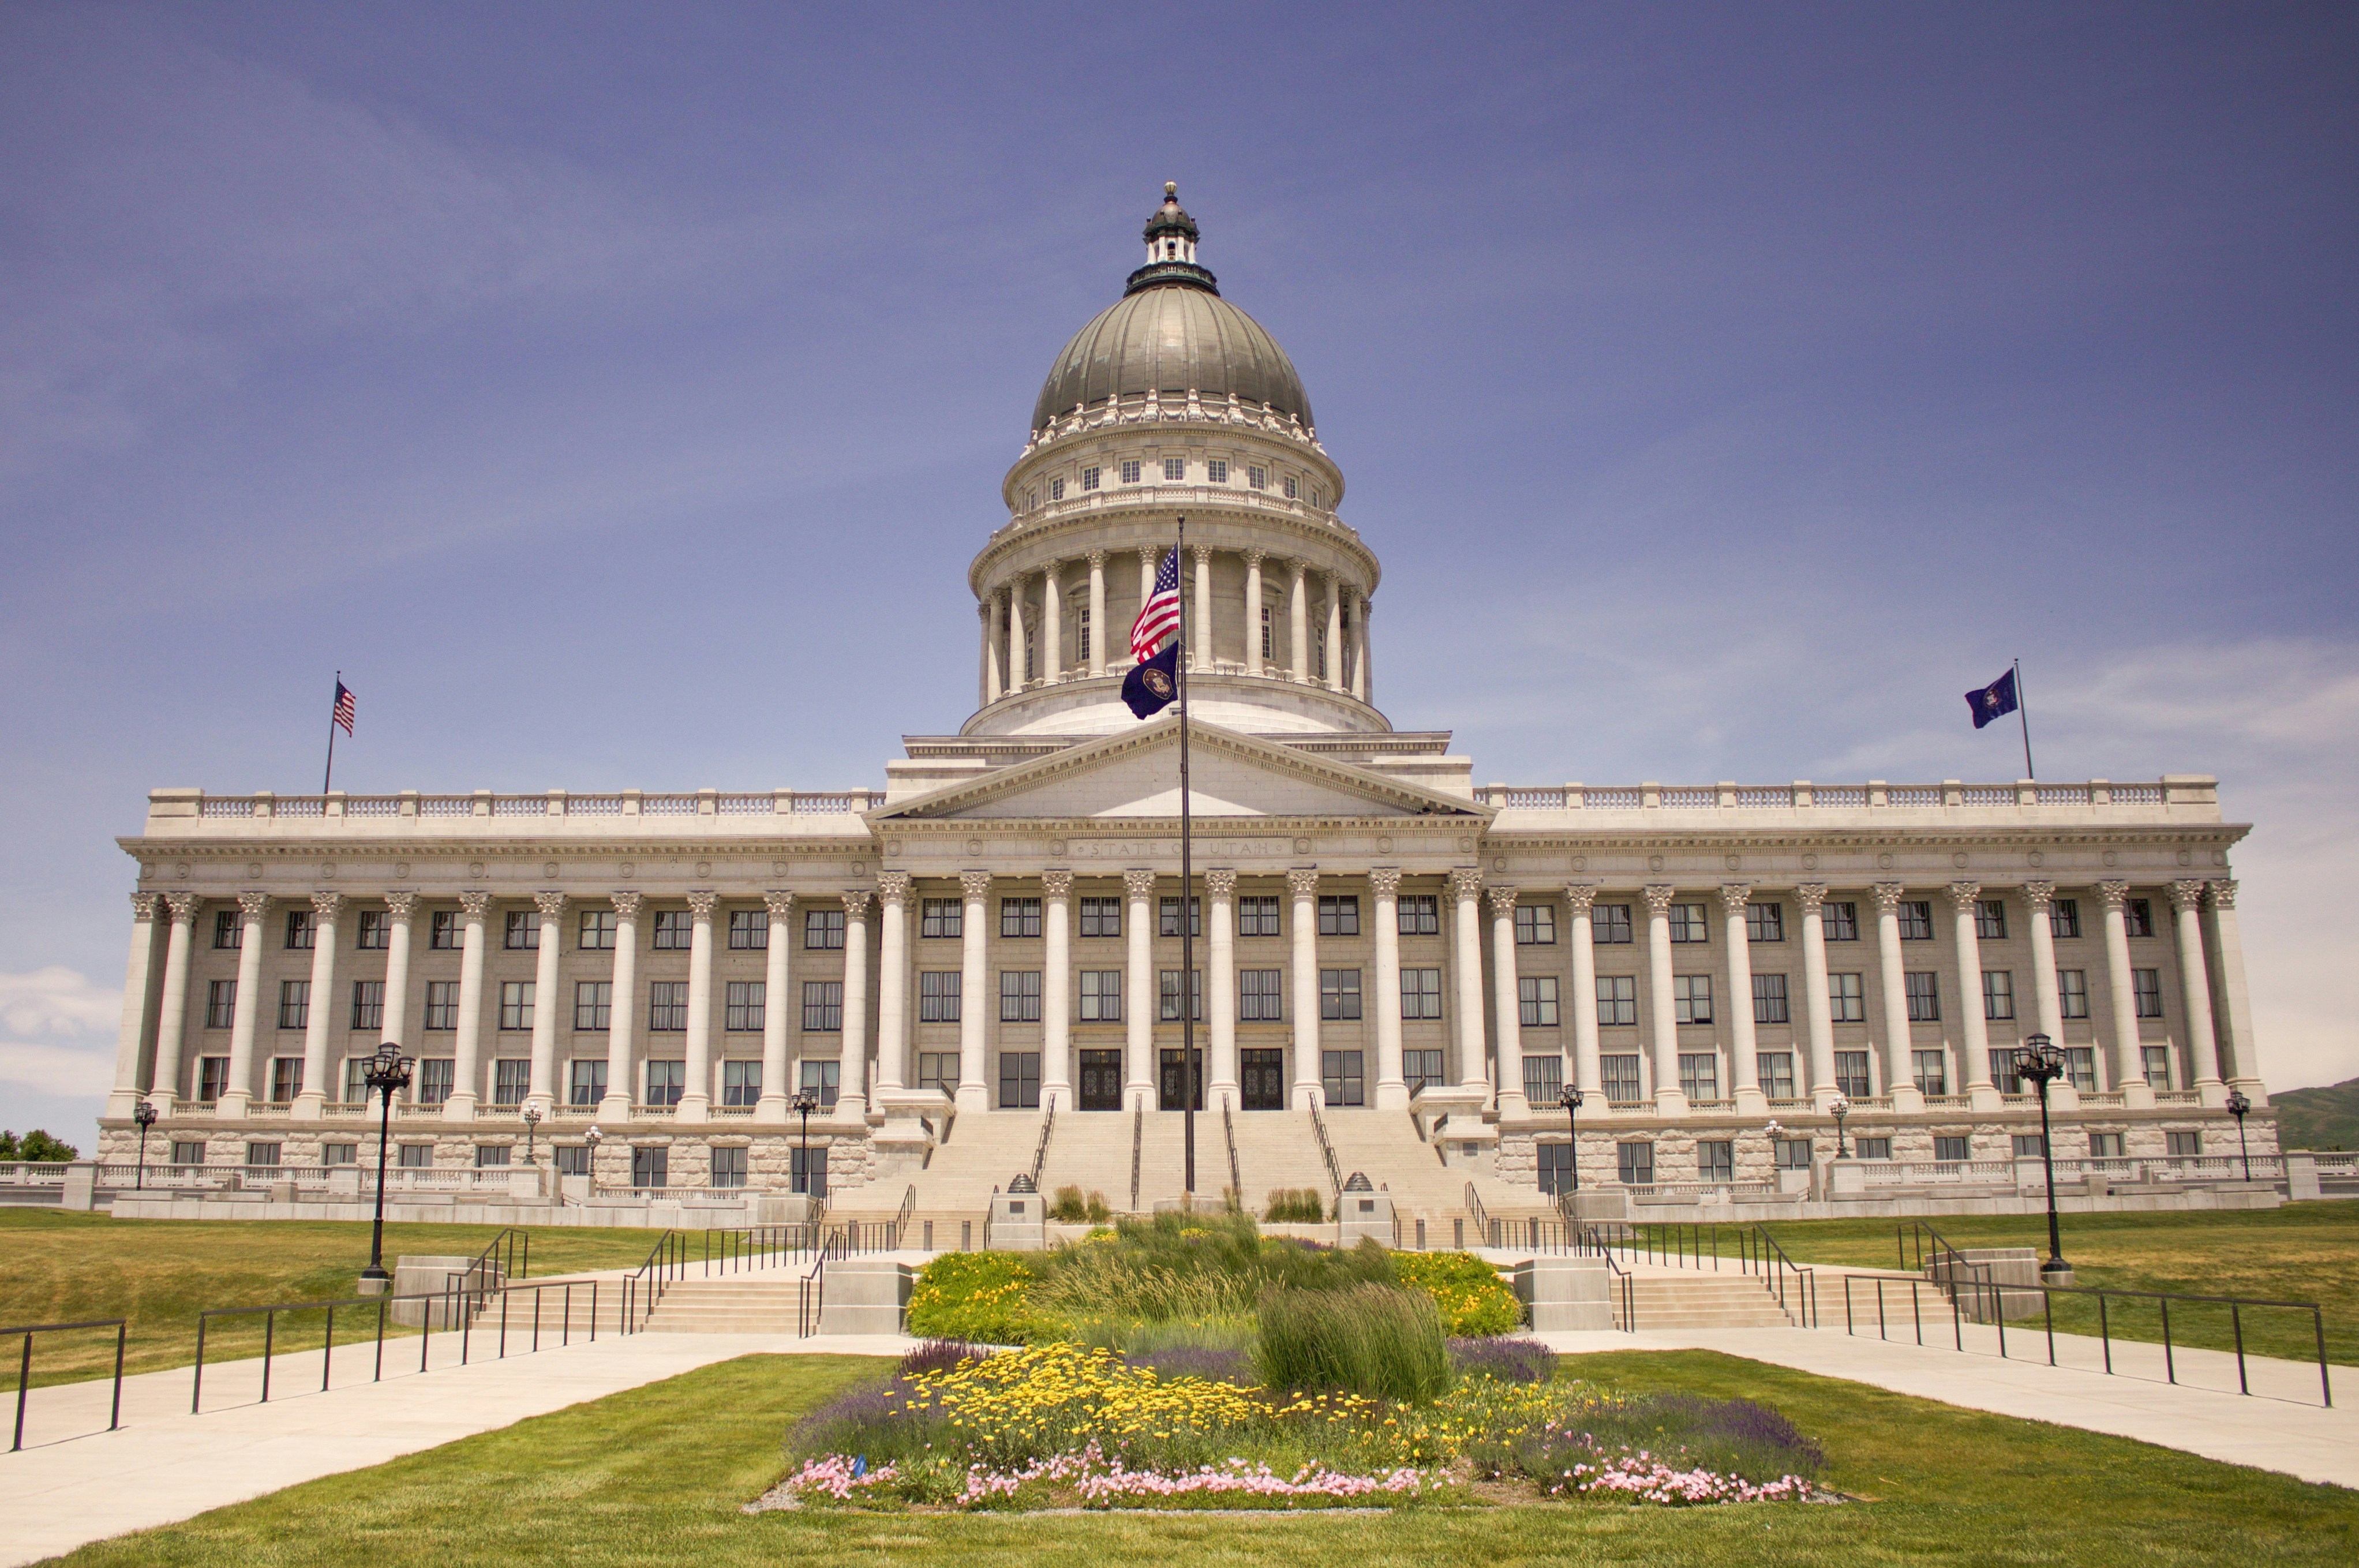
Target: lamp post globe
(387, 1071)
(1840, 1109)
(803, 1105)
(2038, 1060)
(2240, 1107)
(1570, 1101)
(144, 1113)
(532, 1122)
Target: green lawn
(655, 1475)
(2301, 1252)
(57, 1267)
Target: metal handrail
(1982, 1280)
(1229, 1135)
(1326, 1150)
(748, 1246)
(1137, 1132)
(809, 1299)
(643, 1287)
(1040, 1153)
(1481, 1216)
(1775, 1266)
(25, 1368)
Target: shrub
(1371, 1339)
(1096, 1212)
(1472, 1297)
(1507, 1360)
(981, 1296)
(1068, 1207)
(1300, 1206)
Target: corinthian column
(1972, 1026)
(2195, 992)
(994, 686)
(138, 1000)
(1333, 673)
(327, 913)
(1253, 612)
(1200, 632)
(987, 669)
(467, 1069)
(1466, 930)
(1138, 1017)
(1579, 898)
(1506, 994)
(251, 909)
(172, 1021)
(892, 983)
(1818, 1002)
(1392, 1085)
(2121, 1004)
(622, 1015)
(1743, 1045)
(1360, 645)
(1221, 986)
(778, 999)
(1055, 986)
(974, 1089)
(1052, 623)
(696, 1099)
(545, 1007)
(1018, 674)
(851, 1092)
(2240, 1061)
(2047, 1005)
(1297, 620)
(1891, 985)
(1097, 612)
(1303, 882)
(1662, 1013)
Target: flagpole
(2023, 714)
(1190, 1076)
(328, 779)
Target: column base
(1824, 1095)
(459, 1107)
(1670, 1103)
(770, 1110)
(699, 1108)
(307, 1107)
(851, 1110)
(1750, 1101)
(2138, 1094)
(1308, 1097)
(1513, 1104)
(1985, 1097)
(1392, 1094)
(2253, 1089)
(1907, 1099)
(232, 1105)
(120, 1103)
(974, 1098)
(2214, 1094)
(2062, 1096)
(615, 1108)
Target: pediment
(1134, 775)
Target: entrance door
(1169, 1081)
(1262, 1080)
(1101, 1081)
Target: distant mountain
(2319, 1118)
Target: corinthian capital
(475, 903)
(1057, 882)
(326, 906)
(856, 903)
(1810, 896)
(1502, 902)
(1962, 896)
(400, 905)
(892, 888)
(1302, 881)
(186, 905)
(1659, 899)
(1220, 882)
(1385, 881)
(550, 903)
(975, 884)
(147, 906)
(778, 901)
(2040, 896)
(1736, 896)
(2223, 890)
(626, 904)
(2114, 894)
(1888, 897)
(2186, 896)
(701, 902)
(1465, 885)
(1579, 897)
(253, 905)
(1138, 882)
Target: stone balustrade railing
(411, 804)
(1873, 795)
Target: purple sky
(617, 394)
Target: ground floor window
(740, 1082)
(340, 1154)
(2081, 1067)
(1715, 1160)
(729, 1166)
(1872, 1148)
(573, 1160)
(820, 1081)
(1850, 1075)
(666, 1082)
(2158, 1065)
(1699, 1074)
(2185, 1145)
(1261, 1074)
(1101, 1086)
(2104, 1146)
(1019, 1080)
(650, 1168)
(212, 1077)
(286, 1078)
(491, 1157)
(1556, 1167)
(1951, 1150)
(435, 1076)
(1340, 1077)
(262, 1154)
(511, 1075)
(808, 1170)
(589, 1081)
(1776, 1069)
(415, 1156)
(1635, 1164)
(1791, 1153)
(2030, 1146)
(188, 1154)
(2001, 1071)
(937, 1070)
(356, 1089)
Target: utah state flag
(1994, 701)
(1151, 686)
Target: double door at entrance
(1261, 1079)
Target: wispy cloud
(57, 1032)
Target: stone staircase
(1670, 1299)
(1384, 1143)
(980, 1154)
(1277, 1149)
(1091, 1150)
(765, 1302)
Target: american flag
(345, 707)
(1161, 615)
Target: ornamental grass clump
(1375, 1340)
(1295, 1206)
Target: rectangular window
(1535, 1001)
(1423, 1070)
(1420, 994)
(743, 1004)
(1543, 1081)
(1777, 1073)
(939, 996)
(1715, 1160)
(1610, 924)
(808, 1170)
(596, 933)
(1690, 923)
(1339, 995)
(1289, 484)
(1259, 996)
(1999, 994)
(1846, 999)
(1916, 919)
(2158, 1065)
(1555, 1167)
(1101, 917)
(1268, 633)
(491, 1157)
(2064, 917)
(728, 1163)
(1019, 1080)
(1168, 917)
(667, 1006)
(1699, 1074)
(221, 1004)
(1019, 916)
(1839, 923)
(1216, 470)
(585, 1080)
(511, 1076)
(1691, 998)
(1635, 1164)
(1850, 1075)
(2030, 1146)
(651, 1167)
(1091, 478)
(229, 932)
(1257, 916)
(740, 1082)
(516, 1004)
(1535, 925)
(942, 918)
(1101, 996)
(938, 1070)
(375, 932)
(749, 931)
(1990, 919)
(294, 1004)
(1342, 1079)
(356, 1089)
(823, 929)
(821, 1081)
(1056, 493)
(1872, 1148)
(2072, 993)
(572, 1159)
(1019, 996)
(2104, 1146)
(415, 1157)
(2080, 1066)
(1924, 992)
(822, 1005)
(675, 930)
(1791, 1153)
(2145, 987)
(1769, 999)
(1617, 999)
(369, 1003)
(1419, 914)
(1257, 476)
(1765, 922)
(593, 1004)
(1130, 471)
(302, 931)
(523, 930)
(666, 1079)
(435, 1075)
(1168, 991)
(2137, 916)
(212, 1077)
(2184, 1145)
(340, 1154)
(1933, 1070)
(285, 1079)
(1621, 1078)
(1339, 914)
(2001, 1071)
(265, 1155)
(1951, 1150)
(1174, 469)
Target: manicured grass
(655, 1475)
(57, 1267)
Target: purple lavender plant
(1506, 1360)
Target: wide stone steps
(1277, 1149)
(769, 1305)
(980, 1154)
(1704, 1301)
(1090, 1149)
(1385, 1145)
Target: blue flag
(1150, 687)
(1994, 701)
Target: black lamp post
(389, 1070)
(1570, 1101)
(803, 1105)
(531, 1121)
(144, 1113)
(2038, 1060)
(1840, 1109)
(2238, 1108)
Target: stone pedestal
(1593, 1205)
(80, 1191)
(1565, 1294)
(865, 1295)
(1364, 1216)
(2301, 1178)
(1846, 1178)
(428, 1275)
(1018, 1222)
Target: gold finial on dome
(1172, 190)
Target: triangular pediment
(1134, 775)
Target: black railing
(1137, 1136)
(1950, 1268)
(1326, 1152)
(1995, 1303)
(759, 1246)
(25, 1368)
(1750, 1248)
(1229, 1136)
(1041, 1150)
(644, 1287)
(809, 1298)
